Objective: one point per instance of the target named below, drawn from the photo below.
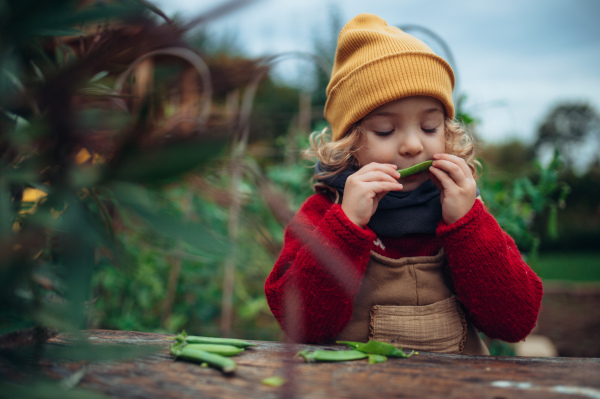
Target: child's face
(404, 132)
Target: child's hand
(458, 189)
(365, 188)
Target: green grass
(569, 266)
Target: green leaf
(98, 76)
(14, 79)
(162, 165)
(202, 238)
(37, 71)
(58, 20)
(552, 222)
(5, 208)
(58, 32)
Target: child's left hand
(452, 176)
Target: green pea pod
(199, 356)
(223, 350)
(331, 356)
(376, 358)
(193, 339)
(420, 167)
(377, 348)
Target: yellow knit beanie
(375, 64)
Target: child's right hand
(365, 188)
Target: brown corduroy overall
(408, 302)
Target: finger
(384, 187)
(455, 159)
(455, 171)
(375, 175)
(443, 178)
(390, 169)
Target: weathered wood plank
(422, 376)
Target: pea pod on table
(223, 350)
(377, 348)
(331, 356)
(225, 364)
(194, 339)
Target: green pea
(275, 381)
(193, 339)
(222, 363)
(377, 348)
(223, 350)
(376, 358)
(420, 167)
(331, 356)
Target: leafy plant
(81, 162)
(516, 204)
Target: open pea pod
(377, 348)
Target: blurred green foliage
(82, 179)
(518, 202)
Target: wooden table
(424, 376)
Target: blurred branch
(237, 169)
(194, 59)
(155, 9)
(237, 155)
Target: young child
(416, 261)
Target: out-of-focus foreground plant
(101, 107)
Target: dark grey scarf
(398, 213)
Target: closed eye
(429, 130)
(384, 133)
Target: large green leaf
(165, 164)
(138, 199)
(58, 32)
(59, 19)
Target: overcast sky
(514, 59)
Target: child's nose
(410, 145)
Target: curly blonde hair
(335, 156)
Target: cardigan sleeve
(312, 286)
(500, 292)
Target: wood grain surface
(426, 375)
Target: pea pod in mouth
(420, 167)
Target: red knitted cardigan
(312, 286)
